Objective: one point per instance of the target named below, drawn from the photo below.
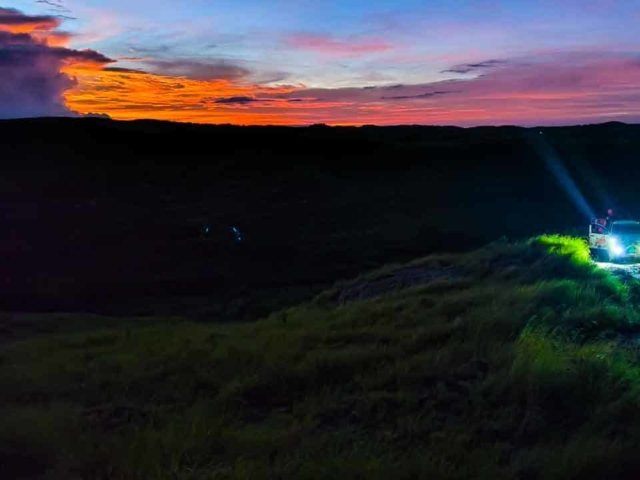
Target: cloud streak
(54, 5)
(418, 96)
(474, 67)
(330, 46)
(235, 100)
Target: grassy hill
(513, 361)
(112, 217)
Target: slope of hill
(137, 218)
(507, 362)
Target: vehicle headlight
(615, 246)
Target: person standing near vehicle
(606, 220)
(610, 217)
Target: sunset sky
(298, 62)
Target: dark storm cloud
(22, 48)
(8, 39)
(31, 83)
(10, 17)
(472, 67)
(196, 70)
(421, 95)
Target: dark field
(111, 217)
(336, 338)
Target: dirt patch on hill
(402, 278)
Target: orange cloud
(127, 94)
(52, 39)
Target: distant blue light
(237, 234)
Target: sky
(300, 62)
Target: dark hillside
(137, 217)
(517, 361)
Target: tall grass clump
(574, 248)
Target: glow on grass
(574, 247)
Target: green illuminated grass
(510, 370)
(575, 248)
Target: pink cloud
(327, 45)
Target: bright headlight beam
(615, 247)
